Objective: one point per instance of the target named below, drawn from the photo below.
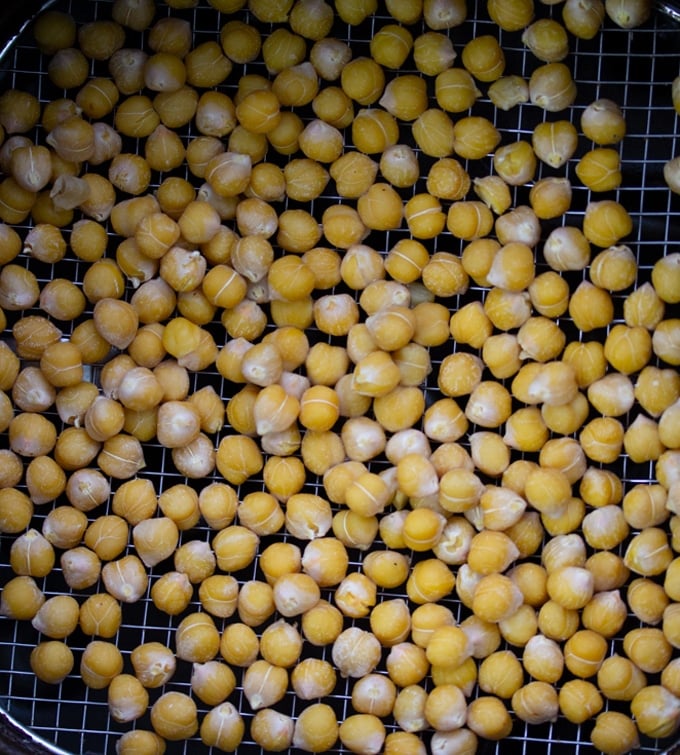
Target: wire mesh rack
(634, 68)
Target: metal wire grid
(634, 69)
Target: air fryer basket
(634, 68)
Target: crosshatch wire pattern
(634, 69)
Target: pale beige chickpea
(155, 539)
(536, 702)
(223, 727)
(313, 678)
(264, 684)
(656, 711)
(196, 460)
(125, 578)
(127, 698)
(212, 682)
(81, 567)
(272, 730)
(355, 652)
(374, 693)
(154, 664)
(648, 648)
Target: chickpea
(127, 698)
(654, 708)
(197, 639)
(100, 663)
(488, 717)
(100, 615)
(174, 716)
(21, 598)
(615, 732)
(16, 510)
(316, 729)
(52, 661)
(125, 578)
(32, 555)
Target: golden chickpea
(455, 90)
(619, 678)
(197, 639)
(100, 615)
(272, 730)
(655, 710)
(222, 727)
(174, 716)
(536, 702)
(391, 45)
(13, 469)
(584, 653)
(52, 661)
(316, 729)
(16, 511)
(127, 698)
(64, 527)
(648, 648)
(362, 733)
(424, 216)
(602, 121)
(31, 554)
(363, 80)
(489, 718)
(551, 87)
(615, 732)
(100, 663)
(264, 684)
(21, 598)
